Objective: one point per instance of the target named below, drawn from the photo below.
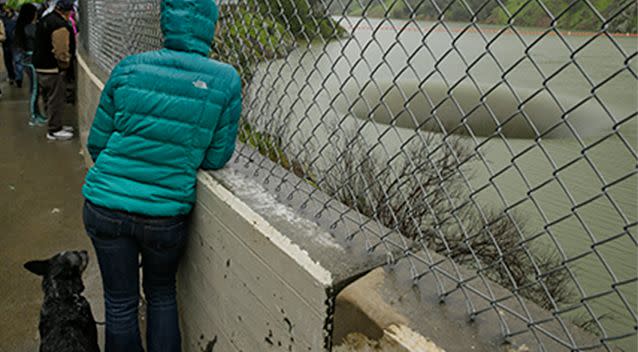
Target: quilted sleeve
(223, 143)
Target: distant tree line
(264, 30)
(614, 15)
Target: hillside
(578, 16)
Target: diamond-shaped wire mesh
(498, 136)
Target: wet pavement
(40, 215)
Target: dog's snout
(84, 255)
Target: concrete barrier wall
(89, 89)
(244, 284)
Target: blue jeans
(26, 60)
(119, 238)
(18, 64)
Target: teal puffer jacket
(162, 116)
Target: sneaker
(68, 128)
(60, 135)
(37, 120)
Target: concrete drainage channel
(260, 275)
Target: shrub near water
(424, 196)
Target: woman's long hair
(27, 14)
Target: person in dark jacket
(24, 44)
(7, 16)
(54, 51)
(45, 8)
(3, 37)
(18, 53)
(162, 115)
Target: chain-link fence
(499, 134)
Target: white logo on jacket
(200, 84)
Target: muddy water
(555, 157)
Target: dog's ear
(38, 267)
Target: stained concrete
(386, 305)
(40, 215)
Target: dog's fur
(66, 320)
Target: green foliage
(272, 147)
(578, 16)
(263, 37)
(267, 144)
(16, 4)
(248, 38)
(567, 14)
(451, 10)
(303, 19)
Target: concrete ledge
(396, 338)
(387, 308)
(259, 289)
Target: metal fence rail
(500, 134)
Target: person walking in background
(24, 44)
(70, 74)
(18, 53)
(48, 7)
(162, 115)
(9, 21)
(54, 50)
(73, 20)
(3, 37)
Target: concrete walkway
(40, 215)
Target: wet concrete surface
(40, 215)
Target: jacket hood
(189, 25)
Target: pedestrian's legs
(34, 109)
(117, 253)
(8, 60)
(162, 246)
(44, 92)
(53, 93)
(34, 97)
(18, 57)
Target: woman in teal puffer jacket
(162, 116)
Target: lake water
(576, 184)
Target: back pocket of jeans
(99, 224)
(165, 237)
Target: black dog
(66, 320)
